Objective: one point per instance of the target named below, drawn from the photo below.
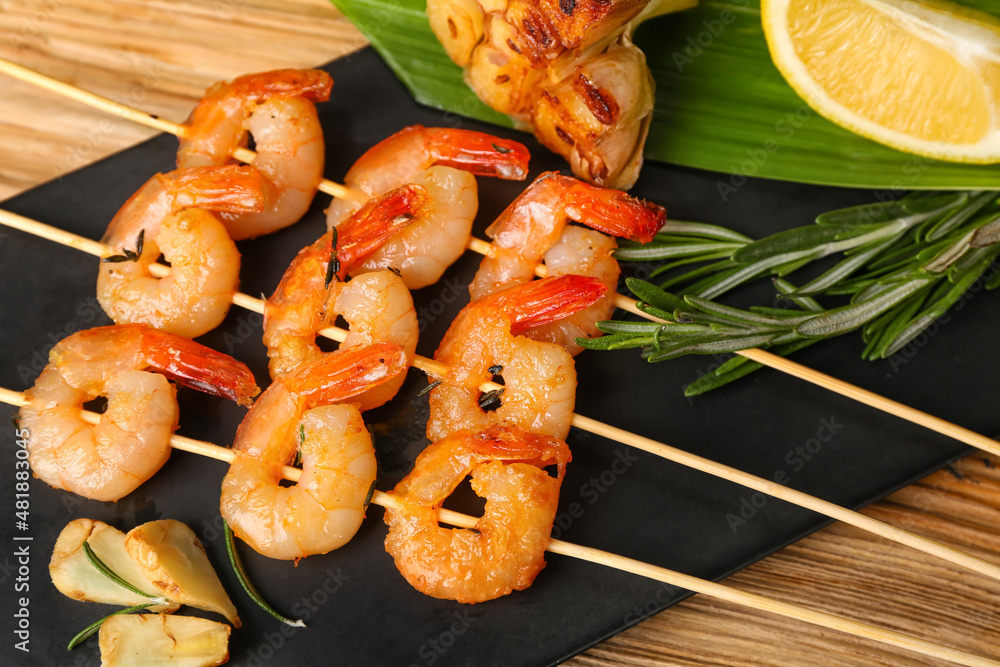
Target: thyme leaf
(333, 265)
(430, 387)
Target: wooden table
(161, 54)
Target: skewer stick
(128, 113)
(764, 357)
(435, 368)
(671, 577)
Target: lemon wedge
(921, 77)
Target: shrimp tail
(512, 445)
(612, 211)
(539, 302)
(196, 366)
(344, 374)
(379, 220)
(312, 84)
(476, 152)
(227, 189)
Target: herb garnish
(128, 255)
(490, 400)
(244, 579)
(333, 265)
(430, 387)
(905, 263)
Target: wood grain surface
(160, 55)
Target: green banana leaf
(721, 104)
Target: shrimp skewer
(377, 306)
(325, 508)
(506, 550)
(539, 379)
(443, 161)
(131, 441)
(277, 109)
(170, 214)
(535, 228)
(639, 568)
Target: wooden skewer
(435, 368)
(763, 357)
(128, 113)
(671, 577)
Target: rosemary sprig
(904, 264)
(244, 579)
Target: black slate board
(359, 609)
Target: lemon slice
(918, 76)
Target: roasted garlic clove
(170, 555)
(148, 640)
(499, 73)
(75, 576)
(458, 25)
(598, 116)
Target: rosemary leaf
(803, 302)
(942, 304)
(865, 214)
(791, 243)
(842, 320)
(726, 374)
(842, 270)
(988, 233)
(241, 574)
(950, 222)
(741, 317)
(717, 267)
(113, 576)
(711, 347)
(655, 312)
(653, 295)
(656, 250)
(82, 636)
(702, 230)
(649, 328)
(697, 259)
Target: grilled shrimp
(583, 252)
(276, 108)
(539, 378)
(325, 508)
(443, 162)
(506, 550)
(169, 214)
(108, 460)
(377, 306)
(534, 228)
